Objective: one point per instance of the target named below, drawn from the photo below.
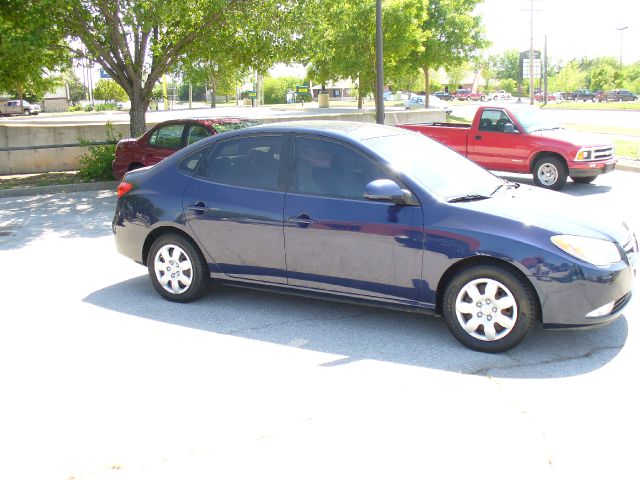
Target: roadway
(102, 379)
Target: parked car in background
(376, 215)
(499, 95)
(443, 95)
(539, 97)
(581, 95)
(467, 94)
(417, 101)
(521, 139)
(167, 138)
(13, 107)
(621, 96)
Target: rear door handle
(478, 137)
(199, 207)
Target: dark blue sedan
(378, 215)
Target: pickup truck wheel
(584, 179)
(550, 172)
(489, 309)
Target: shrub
(101, 107)
(96, 163)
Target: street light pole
(379, 66)
(621, 29)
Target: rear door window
(169, 136)
(252, 162)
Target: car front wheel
(489, 309)
(177, 270)
(550, 172)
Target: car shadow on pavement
(80, 214)
(364, 333)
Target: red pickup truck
(520, 139)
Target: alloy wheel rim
(173, 269)
(486, 309)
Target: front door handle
(478, 137)
(199, 207)
(303, 220)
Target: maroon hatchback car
(168, 137)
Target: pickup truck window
(408, 154)
(493, 120)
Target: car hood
(579, 139)
(555, 212)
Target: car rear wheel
(177, 269)
(489, 309)
(584, 179)
(550, 172)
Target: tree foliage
(109, 91)
(30, 57)
(452, 36)
(342, 43)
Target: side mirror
(509, 128)
(385, 190)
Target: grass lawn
(591, 106)
(39, 180)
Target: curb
(73, 187)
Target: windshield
(227, 127)
(438, 169)
(534, 119)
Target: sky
(574, 28)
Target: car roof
(358, 131)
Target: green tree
(109, 91)
(452, 36)
(508, 66)
(275, 89)
(345, 48)
(569, 78)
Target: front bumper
(591, 169)
(568, 297)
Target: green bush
(96, 163)
(88, 108)
(101, 107)
(75, 108)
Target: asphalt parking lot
(101, 379)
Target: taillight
(124, 188)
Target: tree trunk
(425, 69)
(213, 90)
(137, 114)
(359, 101)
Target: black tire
(505, 308)
(550, 172)
(584, 179)
(172, 254)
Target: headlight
(591, 250)
(584, 155)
